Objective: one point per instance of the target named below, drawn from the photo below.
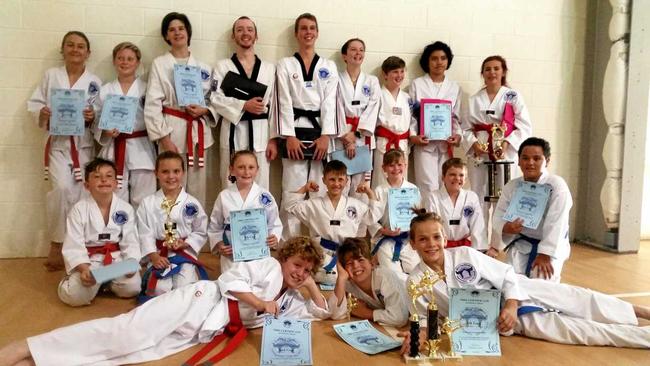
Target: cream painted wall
(543, 40)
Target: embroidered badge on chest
(93, 88)
(265, 199)
(294, 76)
(190, 210)
(351, 212)
(323, 73)
(468, 211)
(366, 90)
(120, 217)
(465, 273)
(510, 95)
(205, 75)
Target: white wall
(543, 40)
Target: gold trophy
(449, 327)
(352, 303)
(498, 136)
(496, 153)
(171, 236)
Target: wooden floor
(29, 305)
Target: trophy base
(425, 360)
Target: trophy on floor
(494, 146)
(439, 350)
(171, 235)
(352, 303)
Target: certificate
(188, 85)
(435, 119)
(362, 162)
(286, 341)
(115, 270)
(67, 112)
(119, 113)
(248, 234)
(477, 311)
(400, 202)
(528, 203)
(365, 338)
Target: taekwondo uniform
(551, 236)
(173, 322)
(361, 107)
(389, 300)
(191, 226)
(163, 117)
(230, 200)
(65, 156)
(482, 114)
(393, 130)
(306, 100)
(550, 311)
(241, 130)
(392, 253)
(331, 225)
(90, 240)
(428, 159)
(463, 221)
(133, 154)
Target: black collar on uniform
(240, 68)
(307, 76)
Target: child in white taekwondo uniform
(359, 93)
(380, 294)
(245, 120)
(538, 309)
(184, 130)
(65, 155)
(460, 210)
(333, 216)
(394, 119)
(430, 155)
(174, 267)
(391, 247)
(538, 253)
(494, 104)
(133, 154)
(244, 194)
(307, 117)
(188, 316)
(100, 230)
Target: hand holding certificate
(435, 119)
(529, 204)
(286, 342)
(477, 311)
(119, 113)
(249, 232)
(400, 202)
(115, 270)
(365, 338)
(188, 85)
(67, 112)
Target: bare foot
(54, 260)
(642, 312)
(16, 353)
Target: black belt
(246, 117)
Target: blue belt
(533, 250)
(158, 273)
(399, 243)
(523, 310)
(330, 245)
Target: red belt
(464, 242)
(354, 122)
(190, 145)
(120, 152)
(508, 120)
(393, 138)
(234, 329)
(74, 155)
(106, 250)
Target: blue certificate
(115, 270)
(188, 85)
(400, 202)
(435, 119)
(119, 113)
(529, 203)
(248, 234)
(67, 112)
(361, 162)
(286, 342)
(477, 311)
(365, 338)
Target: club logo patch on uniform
(352, 212)
(142, 100)
(120, 217)
(205, 75)
(294, 76)
(366, 90)
(93, 88)
(198, 294)
(323, 73)
(190, 210)
(468, 211)
(510, 95)
(266, 199)
(465, 273)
